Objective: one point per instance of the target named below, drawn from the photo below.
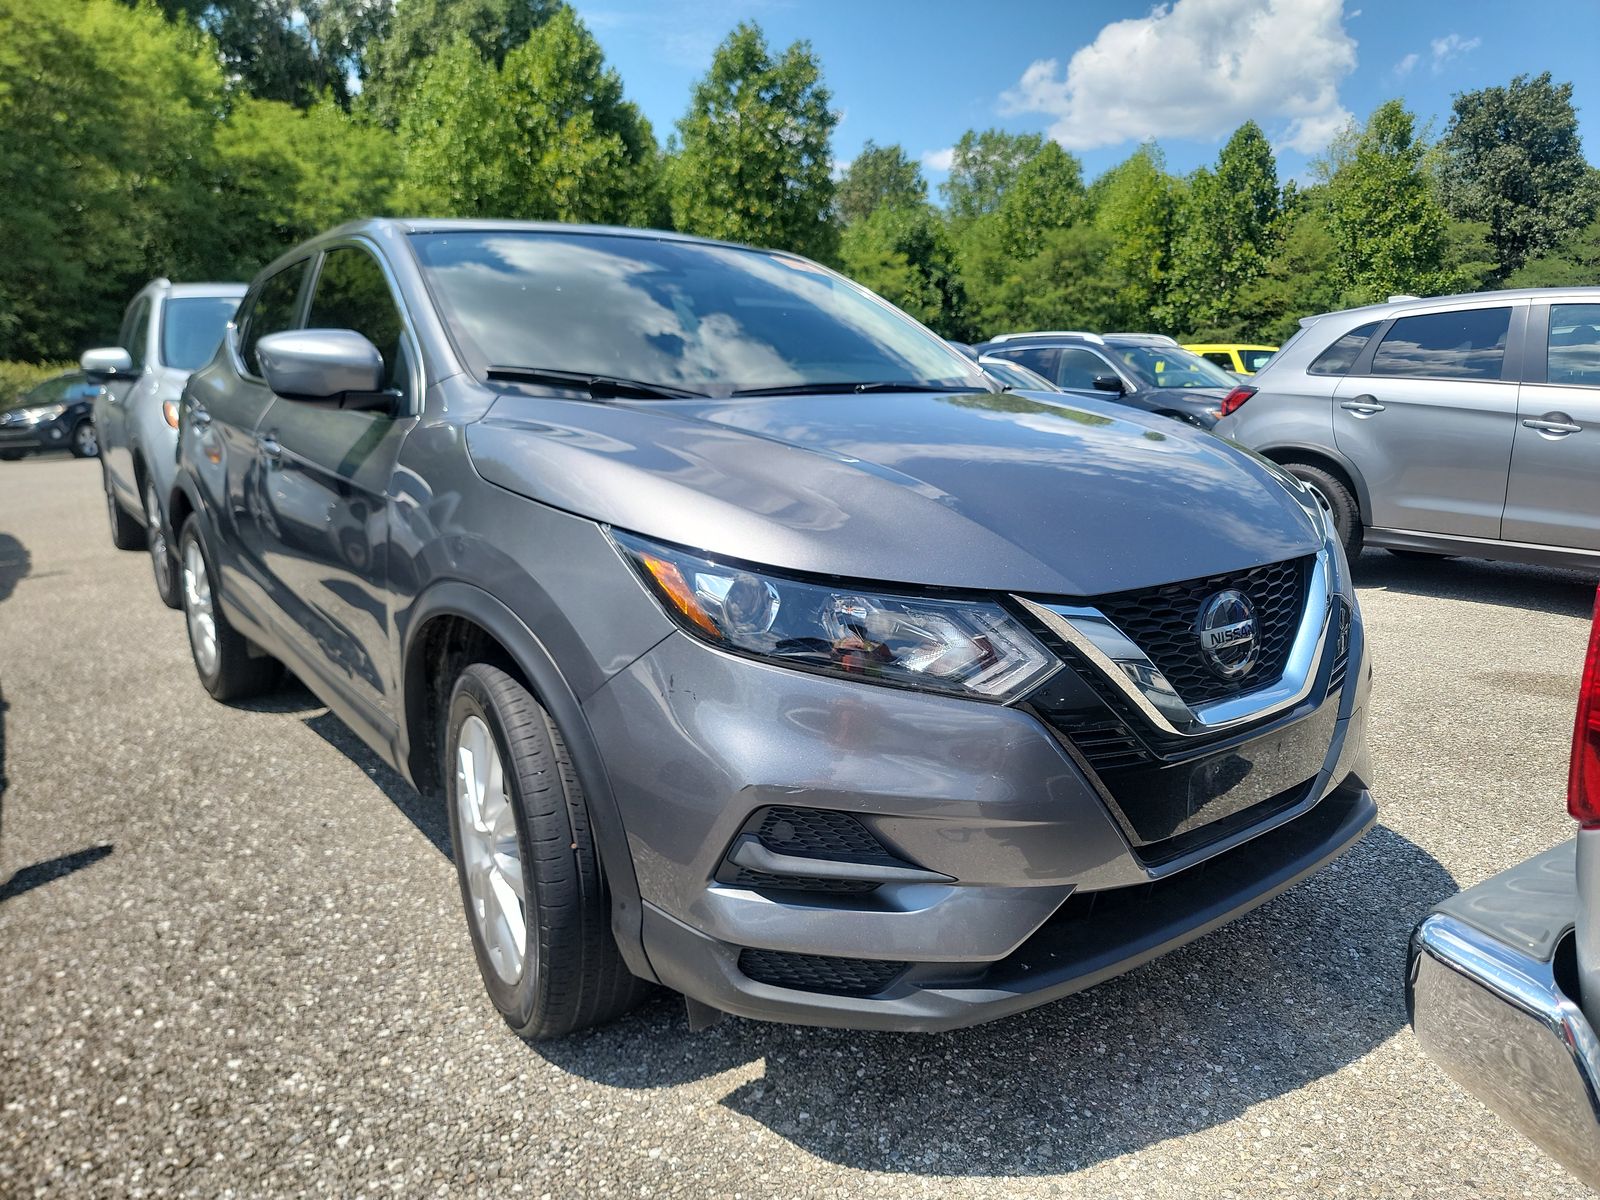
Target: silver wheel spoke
(491, 854)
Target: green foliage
(879, 176)
(1135, 205)
(1226, 229)
(1298, 280)
(1045, 194)
(981, 169)
(546, 135)
(418, 29)
(754, 164)
(1512, 158)
(1573, 262)
(904, 253)
(18, 377)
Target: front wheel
(162, 562)
(85, 442)
(536, 901)
(126, 532)
(227, 665)
(11, 455)
(1336, 500)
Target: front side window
(273, 310)
(352, 293)
(1079, 368)
(138, 333)
(1468, 344)
(1173, 367)
(192, 328)
(1573, 354)
(1041, 360)
(1338, 358)
(690, 316)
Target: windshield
(708, 319)
(1172, 367)
(191, 329)
(1254, 360)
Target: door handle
(270, 446)
(1556, 425)
(1363, 406)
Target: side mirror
(1109, 383)
(108, 362)
(321, 364)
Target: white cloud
(1405, 66)
(1198, 68)
(939, 160)
(1452, 45)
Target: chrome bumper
(1486, 1003)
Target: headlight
(40, 412)
(969, 648)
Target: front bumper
(1489, 989)
(1031, 886)
(46, 435)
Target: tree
(1573, 262)
(1512, 158)
(1388, 227)
(1297, 280)
(753, 162)
(1134, 205)
(879, 176)
(393, 63)
(1045, 193)
(1227, 224)
(903, 252)
(105, 123)
(982, 167)
(1064, 284)
(547, 135)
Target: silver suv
(1462, 425)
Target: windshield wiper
(600, 387)
(832, 388)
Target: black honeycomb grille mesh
(1162, 622)
(819, 973)
(816, 831)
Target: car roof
(214, 288)
(1400, 304)
(1227, 346)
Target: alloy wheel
(490, 849)
(155, 539)
(88, 443)
(197, 608)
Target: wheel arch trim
(1301, 452)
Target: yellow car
(1241, 360)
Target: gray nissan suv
(1455, 425)
(756, 644)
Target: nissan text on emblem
(1227, 629)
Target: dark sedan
(1142, 370)
(53, 415)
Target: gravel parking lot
(233, 962)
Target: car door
(223, 410)
(111, 416)
(1427, 416)
(327, 469)
(1553, 495)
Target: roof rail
(1079, 333)
(1398, 299)
(1159, 339)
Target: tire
(11, 455)
(127, 533)
(84, 443)
(223, 659)
(163, 562)
(1336, 498)
(547, 956)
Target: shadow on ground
(1305, 986)
(15, 563)
(1513, 585)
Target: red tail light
(1232, 401)
(1583, 779)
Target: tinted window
(1254, 360)
(1454, 345)
(51, 391)
(1574, 354)
(1338, 358)
(1041, 360)
(352, 293)
(1172, 367)
(1015, 375)
(689, 315)
(1219, 359)
(272, 311)
(191, 329)
(1079, 367)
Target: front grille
(1109, 745)
(1341, 648)
(1162, 622)
(820, 973)
(745, 877)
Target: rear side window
(1574, 348)
(1220, 358)
(1254, 360)
(352, 293)
(1338, 358)
(272, 311)
(1041, 361)
(1470, 344)
(1079, 368)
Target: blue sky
(1100, 76)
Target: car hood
(982, 491)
